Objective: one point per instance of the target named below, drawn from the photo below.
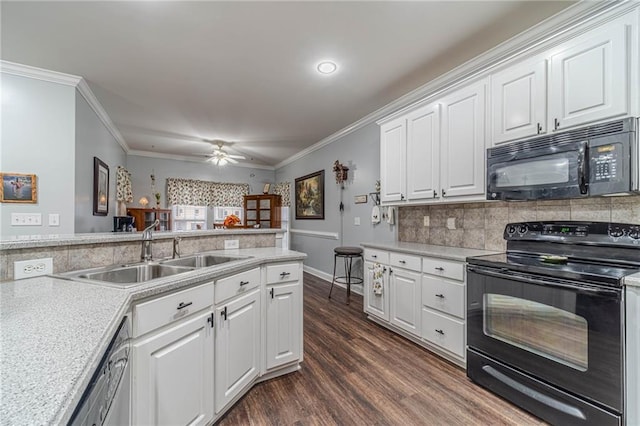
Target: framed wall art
(18, 188)
(309, 193)
(100, 187)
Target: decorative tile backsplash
(480, 225)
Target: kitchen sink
(125, 276)
(201, 260)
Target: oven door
(566, 334)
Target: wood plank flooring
(356, 372)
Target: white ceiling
(171, 74)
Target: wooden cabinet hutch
(262, 210)
(145, 217)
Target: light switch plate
(54, 219)
(32, 268)
(356, 220)
(26, 219)
(425, 220)
(451, 223)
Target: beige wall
(480, 225)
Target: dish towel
(391, 215)
(376, 285)
(375, 215)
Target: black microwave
(597, 160)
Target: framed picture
(309, 194)
(100, 187)
(18, 188)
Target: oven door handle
(507, 274)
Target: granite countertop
(54, 240)
(54, 332)
(443, 252)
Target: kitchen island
(54, 332)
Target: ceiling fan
(220, 157)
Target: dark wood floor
(356, 372)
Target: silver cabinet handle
(183, 305)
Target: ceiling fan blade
(239, 157)
(231, 160)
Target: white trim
(39, 73)
(355, 288)
(194, 159)
(95, 105)
(317, 234)
(527, 40)
(69, 80)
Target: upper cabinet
(519, 101)
(583, 80)
(590, 77)
(423, 153)
(393, 145)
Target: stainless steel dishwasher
(107, 399)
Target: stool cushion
(348, 251)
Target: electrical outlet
(32, 268)
(26, 219)
(425, 220)
(451, 223)
(231, 244)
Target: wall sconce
(143, 201)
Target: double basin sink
(125, 276)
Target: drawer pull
(439, 268)
(375, 256)
(284, 274)
(243, 283)
(224, 313)
(440, 332)
(402, 261)
(441, 296)
(271, 292)
(183, 305)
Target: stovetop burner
(598, 252)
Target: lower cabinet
(422, 297)
(284, 324)
(173, 381)
(237, 346)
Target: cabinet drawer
(379, 256)
(155, 313)
(405, 261)
(443, 268)
(445, 296)
(282, 273)
(445, 332)
(236, 284)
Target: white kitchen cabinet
(237, 346)
(404, 289)
(393, 147)
(519, 101)
(376, 304)
(283, 306)
(423, 153)
(173, 374)
(462, 147)
(443, 306)
(589, 78)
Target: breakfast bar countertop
(54, 332)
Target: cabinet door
(173, 375)
(376, 304)
(405, 300)
(284, 320)
(589, 78)
(519, 101)
(237, 346)
(423, 153)
(393, 137)
(462, 150)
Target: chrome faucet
(176, 247)
(147, 237)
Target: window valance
(283, 189)
(204, 193)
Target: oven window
(545, 330)
(553, 169)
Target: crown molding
(69, 80)
(96, 106)
(39, 73)
(163, 156)
(529, 39)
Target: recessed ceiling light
(327, 67)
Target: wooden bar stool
(347, 254)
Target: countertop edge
(442, 252)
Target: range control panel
(619, 234)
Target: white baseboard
(356, 288)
